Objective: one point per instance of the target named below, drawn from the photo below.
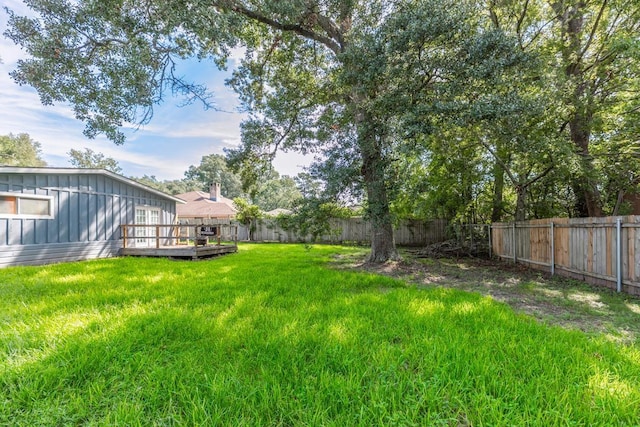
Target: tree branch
(332, 30)
(593, 29)
(493, 15)
(525, 7)
(540, 30)
(294, 28)
(502, 164)
(539, 177)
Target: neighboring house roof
(200, 205)
(81, 171)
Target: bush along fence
(601, 251)
(350, 231)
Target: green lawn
(273, 336)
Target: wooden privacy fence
(601, 251)
(353, 230)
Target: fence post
(490, 241)
(515, 251)
(619, 253)
(553, 250)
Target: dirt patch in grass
(553, 300)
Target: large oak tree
(336, 77)
(114, 59)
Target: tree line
(472, 110)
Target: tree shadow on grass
(552, 300)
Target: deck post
(235, 236)
(124, 236)
(157, 236)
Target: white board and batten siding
(89, 205)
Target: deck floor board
(181, 251)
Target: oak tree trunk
(383, 246)
(521, 203)
(572, 16)
(498, 191)
(587, 194)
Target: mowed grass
(272, 336)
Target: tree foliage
(171, 186)
(88, 158)
(591, 55)
(247, 214)
(110, 60)
(213, 169)
(279, 192)
(20, 150)
(311, 217)
(555, 138)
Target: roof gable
(199, 204)
(81, 171)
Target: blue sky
(176, 138)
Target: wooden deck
(181, 251)
(181, 241)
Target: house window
(17, 205)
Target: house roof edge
(88, 171)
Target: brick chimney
(214, 192)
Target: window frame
(18, 197)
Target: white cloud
(211, 125)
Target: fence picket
(583, 248)
(356, 230)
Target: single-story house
(66, 214)
(200, 207)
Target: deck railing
(178, 234)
